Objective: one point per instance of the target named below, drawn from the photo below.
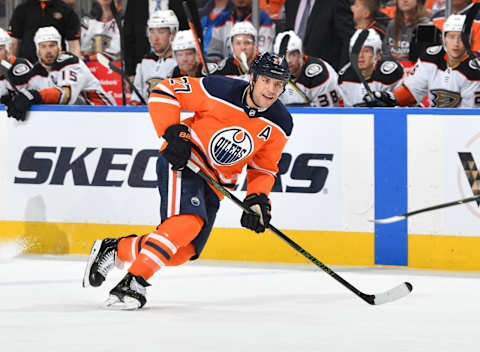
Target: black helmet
(270, 65)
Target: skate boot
(100, 262)
(129, 294)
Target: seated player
(243, 41)
(447, 74)
(313, 82)
(383, 75)
(185, 52)
(158, 64)
(5, 87)
(56, 78)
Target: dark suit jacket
(329, 28)
(135, 27)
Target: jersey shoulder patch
(63, 60)
(21, 71)
(470, 69)
(388, 71)
(315, 72)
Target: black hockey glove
(260, 219)
(21, 102)
(179, 146)
(381, 99)
(7, 98)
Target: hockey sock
(183, 255)
(127, 250)
(159, 247)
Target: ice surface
(207, 306)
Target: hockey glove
(21, 102)
(259, 220)
(381, 99)
(179, 146)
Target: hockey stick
(357, 46)
(117, 18)
(108, 64)
(467, 30)
(424, 210)
(388, 296)
(197, 43)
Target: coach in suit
(326, 32)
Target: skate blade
(128, 303)
(91, 258)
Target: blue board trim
(391, 240)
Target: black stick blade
(357, 46)
(284, 45)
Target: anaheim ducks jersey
(446, 87)
(151, 70)
(227, 134)
(316, 86)
(69, 82)
(100, 37)
(387, 76)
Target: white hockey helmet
(184, 40)
(47, 34)
(373, 40)
(4, 38)
(294, 43)
(163, 19)
(244, 27)
(454, 23)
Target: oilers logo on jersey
(230, 145)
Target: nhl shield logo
(230, 145)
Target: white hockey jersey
(387, 76)
(446, 87)
(100, 37)
(316, 86)
(70, 78)
(150, 71)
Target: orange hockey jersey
(226, 133)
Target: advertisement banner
(98, 167)
(110, 81)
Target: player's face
(454, 45)
(266, 91)
(366, 58)
(359, 10)
(186, 59)
(3, 52)
(244, 43)
(406, 5)
(48, 52)
(295, 62)
(159, 39)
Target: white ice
(221, 306)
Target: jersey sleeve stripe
(161, 92)
(163, 100)
(256, 167)
(164, 88)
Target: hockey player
(185, 52)
(158, 64)
(5, 87)
(55, 79)
(447, 74)
(383, 75)
(219, 45)
(236, 124)
(314, 81)
(243, 41)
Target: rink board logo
(230, 145)
(121, 167)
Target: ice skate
(129, 294)
(101, 260)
